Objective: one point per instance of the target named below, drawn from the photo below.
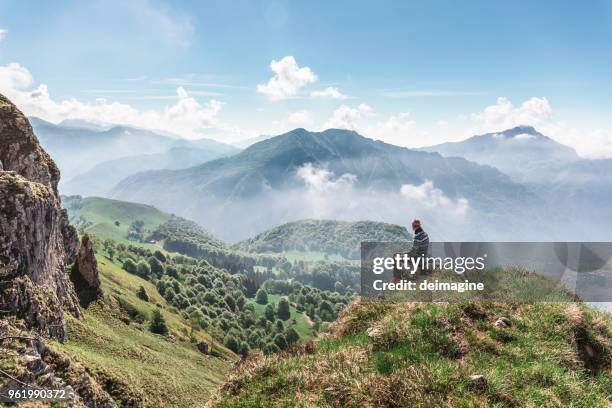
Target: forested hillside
(247, 301)
(243, 310)
(144, 362)
(331, 237)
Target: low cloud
(288, 79)
(186, 117)
(430, 197)
(524, 136)
(327, 195)
(329, 92)
(324, 181)
(596, 144)
(3, 33)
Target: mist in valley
(568, 201)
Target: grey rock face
(36, 240)
(85, 273)
(37, 362)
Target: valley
(183, 317)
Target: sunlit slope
(411, 354)
(138, 367)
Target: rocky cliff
(36, 240)
(84, 274)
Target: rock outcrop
(36, 240)
(85, 273)
(33, 361)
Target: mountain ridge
(329, 236)
(290, 164)
(79, 149)
(576, 187)
(516, 151)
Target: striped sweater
(420, 243)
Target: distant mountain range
(100, 179)
(302, 174)
(578, 188)
(93, 157)
(521, 152)
(516, 184)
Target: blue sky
(411, 73)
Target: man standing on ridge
(420, 247)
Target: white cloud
(186, 117)
(431, 197)
(14, 77)
(329, 92)
(3, 33)
(288, 79)
(538, 112)
(322, 180)
(346, 117)
(328, 196)
(503, 115)
(524, 136)
(396, 129)
(595, 144)
(300, 118)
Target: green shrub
(231, 343)
(292, 336)
(269, 312)
(143, 269)
(130, 266)
(261, 297)
(283, 310)
(280, 341)
(158, 323)
(142, 294)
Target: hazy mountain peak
(336, 131)
(520, 130)
(302, 174)
(35, 121)
(522, 152)
(85, 124)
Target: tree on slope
(261, 297)
(158, 323)
(282, 310)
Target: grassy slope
(423, 354)
(302, 327)
(103, 212)
(141, 365)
